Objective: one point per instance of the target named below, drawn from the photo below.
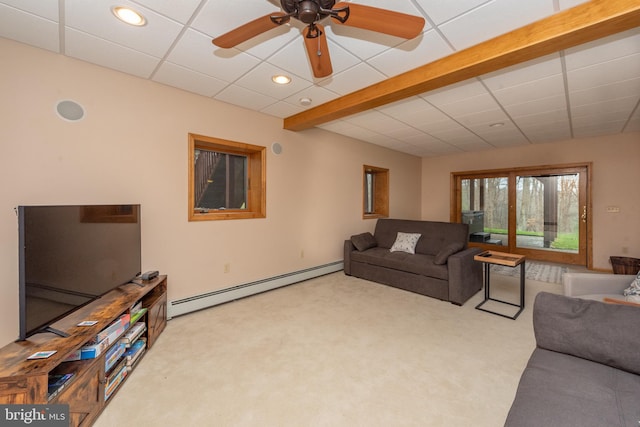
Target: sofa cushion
(364, 241)
(558, 390)
(447, 251)
(588, 329)
(411, 263)
(405, 242)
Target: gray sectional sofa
(585, 370)
(442, 266)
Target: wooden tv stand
(25, 381)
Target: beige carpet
(333, 351)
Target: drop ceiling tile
(357, 77)
(552, 104)
(180, 11)
(107, 54)
(194, 51)
(95, 18)
(411, 54)
(497, 17)
(443, 10)
(375, 121)
(623, 68)
(567, 4)
(483, 118)
(405, 133)
(607, 92)
(43, 9)
(598, 129)
(517, 75)
(316, 94)
(622, 106)
(352, 40)
(282, 109)
(455, 93)
(189, 80)
(469, 106)
(531, 91)
(545, 134)
(542, 119)
(246, 98)
(218, 17)
(29, 28)
(259, 80)
(603, 50)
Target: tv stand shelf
(25, 381)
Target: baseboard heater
(199, 302)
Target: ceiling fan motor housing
(307, 11)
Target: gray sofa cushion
(447, 251)
(604, 333)
(559, 390)
(364, 241)
(412, 263)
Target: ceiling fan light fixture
(281, 79)
(129, 16)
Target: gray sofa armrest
(577, 284)
(348, 248)
(591, 330)
(465, 275)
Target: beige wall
(132, 148)
(615, 183)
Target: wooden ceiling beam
(584, 23)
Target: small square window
(226, 179)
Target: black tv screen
(71, 255)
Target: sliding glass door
(539, 212)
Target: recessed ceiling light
(496, 125)
(305, 101)
(129, 16)
(281, 79)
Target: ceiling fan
(311, 12)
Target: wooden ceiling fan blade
(382, 20)
(318, 52)
(250, 30)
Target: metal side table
(501, 258)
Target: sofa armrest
(465, 275)
(591, 330)
(348, 248)
(577, 284)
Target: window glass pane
(220, 180)
(547, 212)
(369, 192)
(485, 209)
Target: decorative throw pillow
(405, 242)
(447, 251)
(364, 241)
(632, 293)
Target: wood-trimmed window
(375, 192)
(227, 179)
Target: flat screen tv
(71, 255)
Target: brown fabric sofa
(442, 266)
